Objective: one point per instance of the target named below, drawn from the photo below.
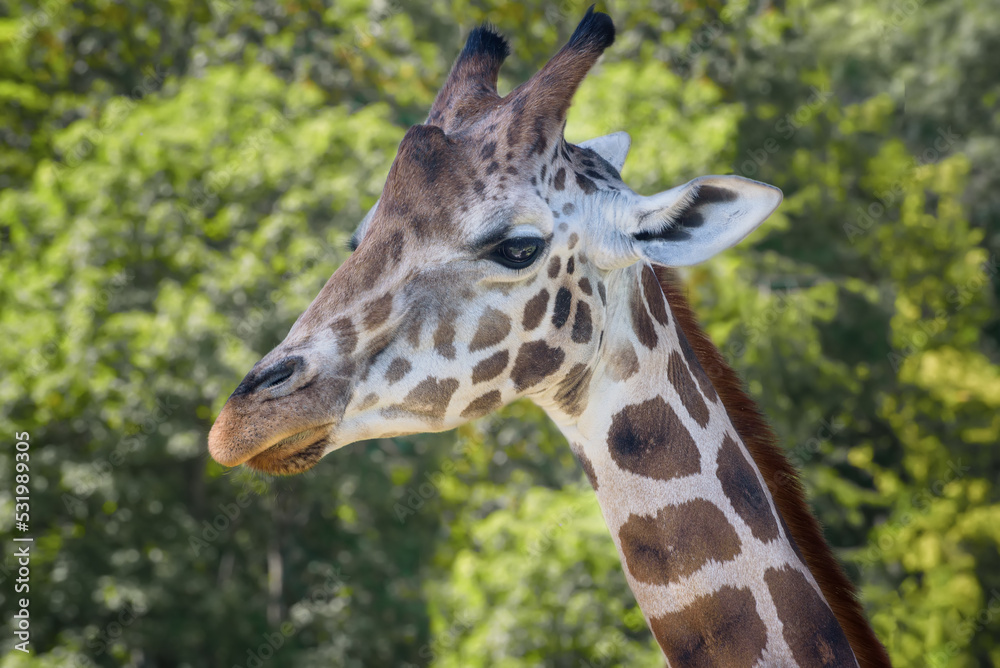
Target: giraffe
(503, 262)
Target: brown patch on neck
(810, 629)
(588, 468)
(642, 324)
(649, 439)
(623, 363)
(572, 390)
(676, 542)
(782, 480)
(740, 485)
(719, 629)
(684, 384)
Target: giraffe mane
(782, 480)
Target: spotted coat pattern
(703, 546)
(699, 538)
(416, 333)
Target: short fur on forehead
(430, 173)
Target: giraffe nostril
(278, 373)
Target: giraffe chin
(295, 454)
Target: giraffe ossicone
(502, 262)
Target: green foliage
(179, 180)
(536, 585)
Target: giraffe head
(481, 274)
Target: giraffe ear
(613, 148)
(693, 222)
(359, 233)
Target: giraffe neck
(705, 551)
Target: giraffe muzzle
(293, 454)
(281, 417)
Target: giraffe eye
(518, 252)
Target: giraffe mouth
(293, 454)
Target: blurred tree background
(179, 179)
